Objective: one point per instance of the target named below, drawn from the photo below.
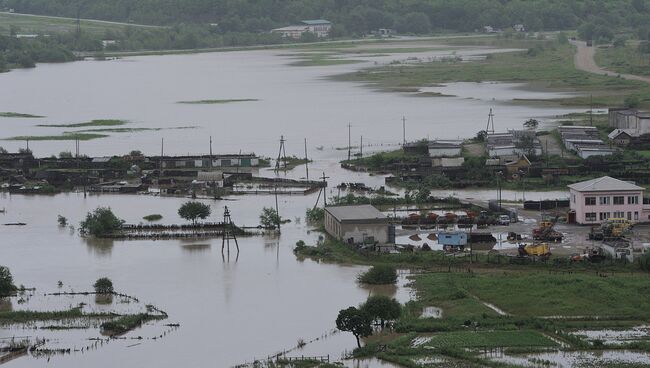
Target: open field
(19, 115)
(61, 137)
(548, 64)
(92, 123)
(36, 24)
(625, 59)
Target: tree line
(352, 17)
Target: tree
(531, 123)
(379, 275)
(355, 321)
(7, 286)
(192, 211)
(65, 154)
(632, 102)
(100, 222)
(382, 308)
(103, 285)
(418, 23)
(269, 218)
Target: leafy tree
(379, 275)
(65, 154)
(7, 286)
(414, 23)
(103, 285)
(193, 211)
(100, 222)
(355, 321)
(269, 218)
(315, 215)
(382, 308)
(423, 193)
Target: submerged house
(362, 224)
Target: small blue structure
(452, 238)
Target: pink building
(597, 200)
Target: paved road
(584, 60)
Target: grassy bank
(624, 59)
(546, 64)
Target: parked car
(504, 220)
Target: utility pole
(277, 210)
(282, 155)
(324, 188)
(228, 232)
(210, 151)
(306, 160)
(403, 130)
(162, 153)
(27, 145)
(361, 148)
(490, 122)
(591, 110)
(349, 140)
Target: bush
(153, 217)
(382, 308)
(103, 285)
(315, 215)
(193, 211)
(379, 275)
(62, 220)
(100, 222)
(7, 286)
(644, 261)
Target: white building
(319, 27)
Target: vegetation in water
(127, 323)
(153, 217)
(61, 220)
(193, 211)
(315, 215)
(217, 102)
(66, 136)
(269, 218)
(92, 123)
(18, 115)
(100, 222)
(379, 275)
(103, 285)
(7, 286)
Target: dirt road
(584, 60)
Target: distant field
(33, 24)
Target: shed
(359, 224)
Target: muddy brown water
(231, 310)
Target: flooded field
(231, 310)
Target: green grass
(535, 294)
(31, 316)
(47, 25)
(92, 123)
(321, 59)
(217, 102)
(489, 339)
(127, 323)
(62, 137)
(627, 60)
(18, 115)
(550, 65)
(153, 217)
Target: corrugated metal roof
(605, 183)
(360, 212)
(312, 22)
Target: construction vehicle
(594, 255)
(612, 229)
(541, 250)
(545, 231)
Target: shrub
(7, 286)
(103, 285)
(100, 222)
(379, 275)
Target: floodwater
(231, 310)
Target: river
(230, 310)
